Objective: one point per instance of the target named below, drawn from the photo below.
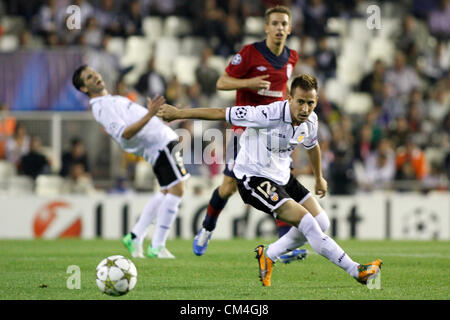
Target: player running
(259, 74)
(137, 131)
(264, 178)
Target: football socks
(166, 216)
(147, 216)
(215, 206)
(326, 246)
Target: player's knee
(323, 221)
(177, 189)
(228, 188)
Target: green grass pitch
(37, 269)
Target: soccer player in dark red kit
(259, 73)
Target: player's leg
(216, 204)
(166, 216)
(133, 241)
(293, 241)
(295, 214)
(218, 201)
(285, 208)
(170, 172)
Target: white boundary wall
(364, 216)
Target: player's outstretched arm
(314, 156)
(152, 107)
(170, 113)
(225, 82)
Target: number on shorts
(269, 189)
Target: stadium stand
(176, 39)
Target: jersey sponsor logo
(240, 113)
(261, 68)
(270, 93)
(289, 69)
(237, 59)
(300, 138)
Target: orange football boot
(368, 271)
(265, 266)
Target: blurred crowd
(401, 143)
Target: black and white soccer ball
(116, 275)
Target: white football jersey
(269, 140)
(115, 113)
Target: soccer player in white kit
(138, 131)
(264, 178)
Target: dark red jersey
(256, 59)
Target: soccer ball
(116, 275)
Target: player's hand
(258, 83)
(321, 187)
(154, 105)
(167, 112)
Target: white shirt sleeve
(263, 116)
(112, 123)
(311, 140)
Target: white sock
(323, 221)
(326, 246)
(291, 240)
(147, 216)
(166, 216)
(294, 238)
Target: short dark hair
(76, 78)
(277, 9)
(305, 81)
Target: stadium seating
(9, 42)
(381, 48)
(166, 51)
(184, 68)
(336, 91)
(359, 32)
(49, 185)
(7, 170)
(192, 45)
(137, 52)
(116, 46)
(349, 71)
(254, 26)
(20, 185)
(338, 26)
(152, 27)
(357, 103)
(175, 26)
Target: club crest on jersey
(236, 59)
(274, 196)
(300, 138)
(289, 69)
(261, 68)
(241, 113)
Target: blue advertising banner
(41, 80)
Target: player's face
(302, 103)
(278, 27)
(93, 82)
